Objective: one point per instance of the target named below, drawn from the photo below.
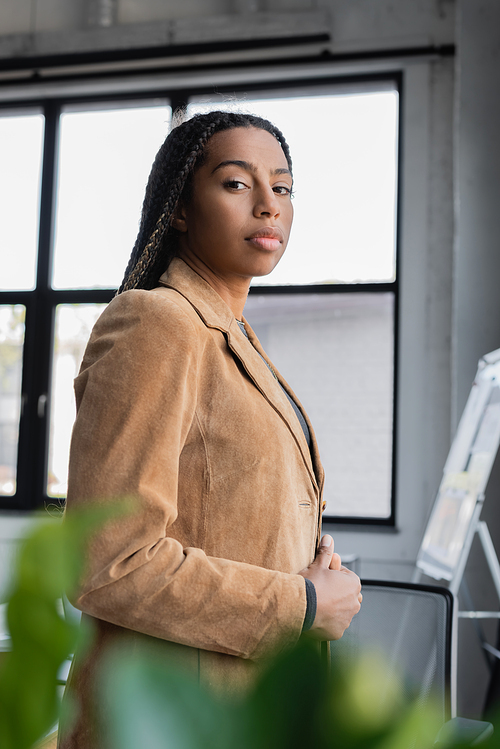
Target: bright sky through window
(105, 160)
(20, 169)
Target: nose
(266, 203)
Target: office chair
(412, 627)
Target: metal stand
(457, 582)
(480, 527)
(454, 521)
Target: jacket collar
(210, 306)
(215, 313)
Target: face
(238, 220)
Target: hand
(338, 593)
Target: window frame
(41, 303)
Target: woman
(179, 408)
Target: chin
(264, 269)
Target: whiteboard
(465, 474)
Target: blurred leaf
(147, 702)
(49, 563)
(416, 728)
(295, 704)
(285, 708)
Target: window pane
(344, 153)
(104, 163)
(336, 351)
(74, 323)
(21, 139)
(11, 364)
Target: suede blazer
(177, 409)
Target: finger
(325, 551)
(360, 598)
(336, 563)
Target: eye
(234, 184)
(283, 190)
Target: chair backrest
(411, 627)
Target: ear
(178, 220)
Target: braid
(170, 180)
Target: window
(327, 315)
(69, 220)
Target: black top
(297, 410)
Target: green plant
(147, 704)
(48, 564)
(294, 704)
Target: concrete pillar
(101, 13)
(476, 328)
(476, 303)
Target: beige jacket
(177, 408)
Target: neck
(233, 290)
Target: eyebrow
(248, 166)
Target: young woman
(180, 409)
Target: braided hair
(170, 181)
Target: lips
(273, 232)
(267, 238)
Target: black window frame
(42, 301)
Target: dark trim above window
(246, 56)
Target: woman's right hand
(338, 593)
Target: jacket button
(323, 506)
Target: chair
(412, 627)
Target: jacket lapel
(216, 314)
(251, 355)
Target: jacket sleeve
(136, 401)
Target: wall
(364, 23)
(476, 302)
